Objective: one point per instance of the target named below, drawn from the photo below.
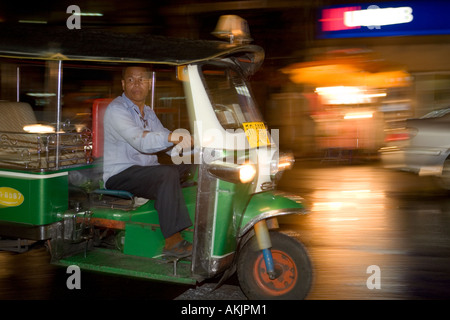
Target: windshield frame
(243, 109)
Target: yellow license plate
(256, 133)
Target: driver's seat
(98, 112)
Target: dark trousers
(162, 184)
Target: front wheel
(292, 265)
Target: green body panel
(143, 238)
(224, 233)
(143, 235)
(115, 262)
(45, 196)
(236, 207)
(267, 202)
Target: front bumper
(422, 161)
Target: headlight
(286, 162)
(247, 172)
(232, 172)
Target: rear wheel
(292, 266)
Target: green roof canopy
(85, 44)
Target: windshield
(230, 96)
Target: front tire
(291, 262)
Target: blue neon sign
(399, 18)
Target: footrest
(115, 193)
(166, 259)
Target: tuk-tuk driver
(132, 134)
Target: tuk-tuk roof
(60, 43)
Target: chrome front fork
(264, 243)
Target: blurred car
(423, 147)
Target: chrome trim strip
(32, 176)
(271, 214)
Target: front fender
(270, 204)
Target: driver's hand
(182, 139)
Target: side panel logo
(10, 197)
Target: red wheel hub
(284, 266)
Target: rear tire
(291, 261)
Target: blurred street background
(329, 88)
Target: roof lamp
(233, 28)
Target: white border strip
(32, 176)
(223, 256)
(216, 200)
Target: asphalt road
(373, 233)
